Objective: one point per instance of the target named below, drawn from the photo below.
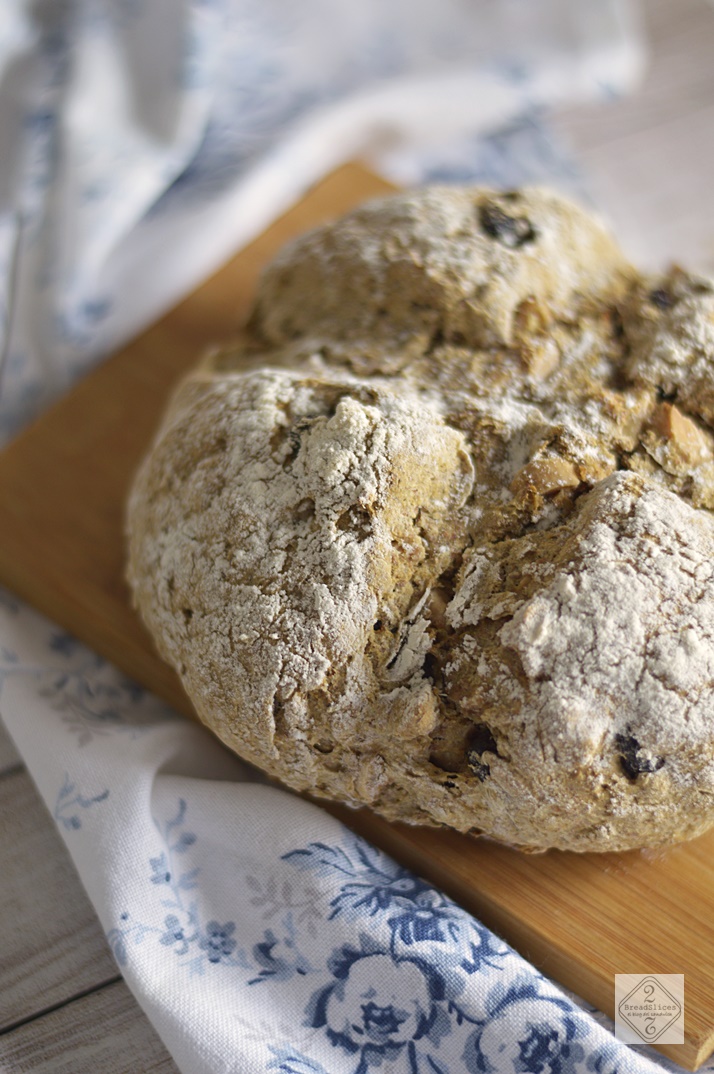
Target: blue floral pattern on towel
(383, 966)
(378, 1007)
(69, 801)
(93, 699)
(195, 944)
(378, 969)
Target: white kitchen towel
(258, 933)
(141, 141)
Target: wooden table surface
(646, 161)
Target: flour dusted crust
(436, 536)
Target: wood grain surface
(102, 1033)
(63, 1006)
(55, 948)
(647, 160)
(9, 757)
(581, 918)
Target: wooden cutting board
(63, 482)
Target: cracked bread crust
(435, 535)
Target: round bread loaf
(436, 536)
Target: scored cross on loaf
(435, 535)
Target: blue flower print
(289, 1061)
(370, 884)
(377, 1006)
(485, 949)
(217, 941)
(527, 1032)
(280, 958)
(69, 800)
(115, 939)
(127, 930)
(300, 901)
(160, 872)
(175, 935)
(606, 1060)
(92, 707)
(369, 881)
(424, 914)
(196, 946)
(61, 642)
(185, 840)
(378, 891)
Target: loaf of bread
(435, 536)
